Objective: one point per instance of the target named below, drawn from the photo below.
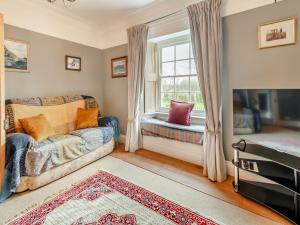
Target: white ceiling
(100, 12)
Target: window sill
(197, 119)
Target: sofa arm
(111, 121)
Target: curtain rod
(166, 16)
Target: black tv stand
(281, 171)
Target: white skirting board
(122, 139)
(187, 152)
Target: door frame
(2, 102)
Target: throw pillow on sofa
(180, 113)
(87, 118)
(37, 127)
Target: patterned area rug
(104, 199)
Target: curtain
(137, 48)
(206, 34)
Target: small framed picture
(73, 63)
(119, 67)
(277, 33)
(16, 56)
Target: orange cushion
(37, 127)
(87, 118)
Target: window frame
(168, 43)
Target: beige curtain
(206, 34)
(137, 48)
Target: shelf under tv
(265, 193)
(271, 170)
(281, 170)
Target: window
(177, 75)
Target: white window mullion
(174, 87)
(175, 72)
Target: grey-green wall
(115, 90)
(48, 76)
(245, 66)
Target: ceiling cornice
(52, 20)
(166, 7)
(36, 16)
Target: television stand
(280, 191)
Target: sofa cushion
(87, 118)
(52, 152)
(94, 137)
(37, 127)
(158, 128)
(60, 149)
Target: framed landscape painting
(73, 63)
(119, 67)
(277, 33)
(16, 55)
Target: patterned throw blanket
(61, 149)
(17, 146)
(111, 121)
(26, 157)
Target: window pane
(192, 53)
(179, 80)
(183, 67)
(168, 69)
(167, 85)
(183, 51)
(166, 99)
(182, 97)
(197, 100)
(193, 68)
(182, 84)
(168, 54)
(195, 84)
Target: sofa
(39, 163)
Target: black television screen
(269, 117)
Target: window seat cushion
(159, 128)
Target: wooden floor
(191, 175)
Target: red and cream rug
(105, 199)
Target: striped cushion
(158, 128)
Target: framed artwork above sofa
(73, 63)
(16, 55)
(119, 67)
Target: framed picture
(73, 63)
(16, 55)
(119, 67)
(277, 33)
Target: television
(268, 117)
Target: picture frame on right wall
(277, 33)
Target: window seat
(158, 128)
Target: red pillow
(180, 113)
